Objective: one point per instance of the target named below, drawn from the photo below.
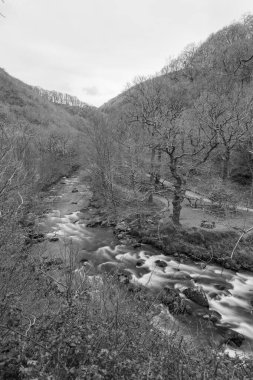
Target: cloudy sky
(92, 48)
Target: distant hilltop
(60, 98)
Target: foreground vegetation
(96, 328)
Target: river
(228, 293)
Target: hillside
(19, 102)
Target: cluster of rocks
(176, 301)
(176, 304)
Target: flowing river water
(228, 293)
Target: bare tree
(101, 157)
(164, 115)
(227, 113)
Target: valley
(126, 230)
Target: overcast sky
(92, 48)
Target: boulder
(161, 263)
(196, 295)
(75, 191)
(214, 316)
(231, 337)
(213, 295)
(94, 222)
(140, 262)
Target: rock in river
(94, 222)
(161, 263)
(140, 262)
(196, 295)
(231, 337)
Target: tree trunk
(158, 172)
(177, 207)
(225, 168)
(152, 171)
(179, 193)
